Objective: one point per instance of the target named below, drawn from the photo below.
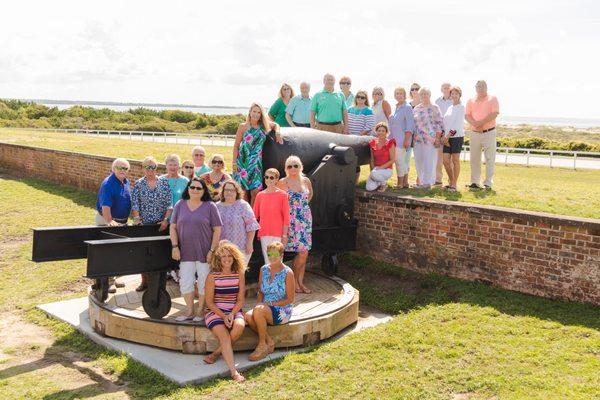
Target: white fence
(506, 155)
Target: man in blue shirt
(114, 197)
(297, 112)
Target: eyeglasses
(414, 89)
(119, 168)
(292, 166)
(273, 254)
(199, 155)
(188, 167)
(150, 167)
(345, 83)
(361, 97)
(198, 188)
(270, 177)
(218, 162)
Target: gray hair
(173, 158)
(305, 83)
(424, 91)
(198, 148)
(119, 161)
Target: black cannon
(330, 161)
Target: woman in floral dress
(300, 193)
(217, 177)
(247, 149)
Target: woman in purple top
(239, 223)
(195, 230)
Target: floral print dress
(428, 121)
(274, 290)
(249, 160)
(300, 229)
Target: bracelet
(175, 246)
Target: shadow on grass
(77, 196)
(395, 290)
(439, 192)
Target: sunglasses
(188, 167)
(122, 168)
(377, 94)
(198, 188)
(270, 177)
(345, 83)
(414, 89)
(218, 162)
(292, 166)
(273, 254)
(361, 97)
(150, 167)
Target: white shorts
(187, 276)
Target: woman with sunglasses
(429, 125)
(381, 108)
(225, 295)
(277, 110)
(247, 149)
(151, 202)
(272, 211)
(299, 190)
(187, 169)
(383, 155)
(195, 231)
(215, 179)
(345, 83)
(274, 301)
(360, 116)
(414, 95)
(239, 223)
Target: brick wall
(536, 253)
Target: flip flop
(183, 318)
(259, 353)
(198, 319)
(239, 378)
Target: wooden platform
(331, 307)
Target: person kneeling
(273, 301)
(225, 293)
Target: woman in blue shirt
(402, 127)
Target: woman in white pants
(429, 129)
(195, 231)
(383, 155)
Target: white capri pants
(425, 161)
(378, 177)
(403, 160)
(266, 241)
(187, 276)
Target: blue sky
(540, 58)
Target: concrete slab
(184, 369)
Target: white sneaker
(198, 319)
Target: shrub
(178, 116)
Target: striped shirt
(227, 288)
(360, 120)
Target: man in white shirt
(443, 102)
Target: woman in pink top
(272, 211)
(383, 154)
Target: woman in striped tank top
(225, 293)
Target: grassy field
(449, 339)
(553, 190)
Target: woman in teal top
(274, 301)
(277, 110)
(177, 182)
(247, 149)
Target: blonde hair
(273, 171)
(363, 92)
(238, 189)
(283, 86)
(264, 119)
(424, 91)
(379, 89)
(277, 245)
(296, 159)
(239, 264)
(400, 89)
(173, 157)
(217, 155)
(149, 160)
(411, 92)
(190, 162)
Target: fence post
(551, 154)
(574, 160)
(528, 151)
(506, 156)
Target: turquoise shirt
(299, 109)
(202, 170)
(328, 107)
(350, 100)
(177, 186)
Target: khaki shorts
(337, 128)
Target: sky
(539, 58)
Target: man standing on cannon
(114, 200)
(328, 111)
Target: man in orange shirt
(481, 113)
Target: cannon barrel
(311, 146)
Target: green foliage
(178, 116)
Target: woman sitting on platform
(215, 179)
(273, 302)
(383, 155)
(225, 293)
(195, 231)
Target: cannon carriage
(331, 162)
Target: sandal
(259, 353)
(141, 288)
(239, 378)
(306, 290)
(183, 318)
(211, 358)
(271, 347)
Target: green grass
(447, 336)
(553, 190)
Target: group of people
(434, 131)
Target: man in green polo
(328, 110)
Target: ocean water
(216, 110)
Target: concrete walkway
(184, 369)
